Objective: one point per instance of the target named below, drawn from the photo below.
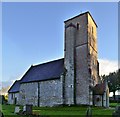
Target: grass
(8, 110)
(114, 104)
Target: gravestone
(24, 108)
(116, 113)
(89, 112)
(17, 109)
(27, 109)
(1, 114)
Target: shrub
(2, 99)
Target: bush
(114, 101)
(2, 99)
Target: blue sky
(33, 33)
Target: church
(72, 80)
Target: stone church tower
(81, 64)
(73, 80)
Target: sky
(33, 33)
(60, 1)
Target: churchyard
(8, 111)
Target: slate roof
(99, 89)
(45, 71)
(15, 87)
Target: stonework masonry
(13, 98)
(80, 75)
(51, 93)
(45, 93)
(69, 63)
(80, 53)
(29, 94)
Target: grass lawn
(114, 104)
(8, 110)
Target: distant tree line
(113, 80)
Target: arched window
(78, 26)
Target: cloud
(106, 66)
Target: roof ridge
(48, 62)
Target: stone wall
(51, 93)
(13, 98)
(29, 93)
(10, 100)
(82, 76)
(92, 50)
(48, 92)
(70, 31)
(81, 79)
(85, 65)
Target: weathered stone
(28, 109)
(81, 70)
(13, 98)
(29, 94)
(80, 58)
(117, 109)
(116, 113)
(89, 112)
(50, 93)
(17, 109)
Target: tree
(2, 99)
(118, 75)
(113, 81)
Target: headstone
(24, 108)
(116, 113)
(118, 109)
(89, 112)
(1, 114)
(27, 109)
(17, 109)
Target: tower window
(78, 26)
(90, 71)
(71, 86)
(92, 30)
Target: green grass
(8, 110)
(114, 104)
